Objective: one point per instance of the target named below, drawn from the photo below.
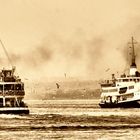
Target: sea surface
(71, 120)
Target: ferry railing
(12, 93)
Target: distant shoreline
(66, 90)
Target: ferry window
(137, 80)
(120, 80)
(22, 86)
(134, 80)
(104, 90)
(125, 80)
(18, 87)
(131, 80)
(1, 87)
(129, 96)
(123, 90)
(12, 87)
(113, 90)
(1, 102)
(8, 87)
(131, 87)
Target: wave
(12, 116)
(69, 127)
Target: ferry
(123, 91)
(11, 91)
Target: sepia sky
(82, 38)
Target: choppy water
(71, 120)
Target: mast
(10, 61)
(133, 67)
(6, 52)
(133, 64)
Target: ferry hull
(130, 104)
(14, 110)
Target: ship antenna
(6, 53)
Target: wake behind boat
(123, 91)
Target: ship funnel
(133, 67)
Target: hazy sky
(77, 37)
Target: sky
(86, 39)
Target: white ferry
(124, 91)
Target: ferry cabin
(11, 89)
(120, 89)
(11, 94)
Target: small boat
(123, 91)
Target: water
(71, 120)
